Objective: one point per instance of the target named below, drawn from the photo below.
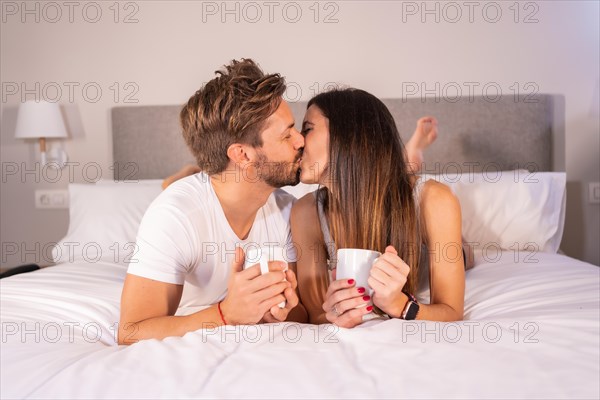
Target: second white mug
(356, 264)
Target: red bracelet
(221, 313)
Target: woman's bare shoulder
(305, 209)
(436, 195)
(308, 200)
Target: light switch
(594, 193)
(51, 199)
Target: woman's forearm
(439, 312)
(431, 312)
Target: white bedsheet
(531, 330)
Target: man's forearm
(162, 327)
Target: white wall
(170, 51)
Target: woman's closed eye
(305, 131)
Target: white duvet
(531, 330)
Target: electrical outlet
(594, 193)
(51, 199)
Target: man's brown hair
(231, 108)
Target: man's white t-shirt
(185, 239)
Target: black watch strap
(411, 311)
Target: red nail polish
(366, 298)
(361, 290)
(350, 281)
(369, 308)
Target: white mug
(356, 264)
(262, 256)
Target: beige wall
(175, 46)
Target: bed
(532, 314)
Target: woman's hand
(345, 304)
(387, 278)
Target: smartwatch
(412, 308)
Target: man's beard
(278, 173)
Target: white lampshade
(40, 120)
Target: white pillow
(512, 210)
(104, 220)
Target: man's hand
(251, 295)
(277, 314)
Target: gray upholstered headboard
(474, 134)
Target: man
(242, 135)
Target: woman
(371, 199)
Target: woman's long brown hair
(368, 197)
